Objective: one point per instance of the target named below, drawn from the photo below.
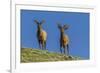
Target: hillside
(36, 55)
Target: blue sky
(78, 31)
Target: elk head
(39, 24)
(62, 28)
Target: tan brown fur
(41, 35)
(64, 40)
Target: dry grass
(35, 55)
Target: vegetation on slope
(35, 55)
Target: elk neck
(39, 30)
(62, 34)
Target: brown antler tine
(42, 21)
(36, 21)
(66, 26)
(59, 26)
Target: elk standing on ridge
(41, 35)
(64, 40)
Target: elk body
(64, 40)
(41, 35)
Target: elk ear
(36, 21)
(43, 21)
(66, 27)
(59, 26)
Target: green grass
(35, 55)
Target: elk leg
(64, 50)
(67, 49)
(61, 48)
(39, 44)
(42, 45)
(45, 45)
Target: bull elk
(64, 40)
(41, 35)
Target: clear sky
(78, 31)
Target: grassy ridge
(35, 55)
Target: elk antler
(42, 21)
(36, 21)
(59, 26)
(66, 26)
